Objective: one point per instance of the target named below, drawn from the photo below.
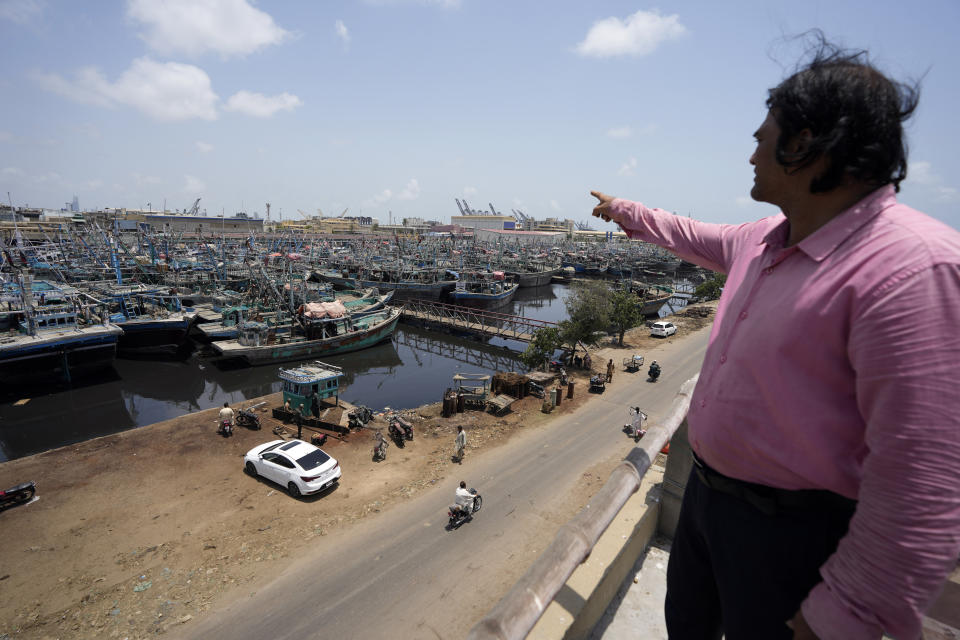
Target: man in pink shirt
(825, 496)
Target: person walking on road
(461, 443)
(824, 499)
(610, 370)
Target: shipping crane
(195, 208)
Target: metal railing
(476, 320)
(516, 614)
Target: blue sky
(403, 105)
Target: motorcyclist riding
(654, 370)
(464, 499)
(226, 416)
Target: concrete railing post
(679, 463)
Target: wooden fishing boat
(483, 290)
(52, 334)
(258, 344)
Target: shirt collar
(827, 238)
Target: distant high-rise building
(75, 205)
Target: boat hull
(482, 300)
(282, 351)
(533, 279)
(60, 355)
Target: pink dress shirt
(835, 364)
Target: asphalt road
(403, 575)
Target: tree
(625, 312)
(588, 313)
(545, 342)
(710, 290)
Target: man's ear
(801, 142)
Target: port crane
(195, 208)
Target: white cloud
(443, 4)
(627, 168)
(638, 35)
(12, 172)
(261, 106)
(5, 136)
(411, 191)
(620, 132)
(164, 91)
(20, 11)
(192, 27)
(204, 147)
(555, 205)
(922, 173)
(744, 201)
(140, 180)
(342, 32)
(194, 185)
(384, 196)
(469, 191)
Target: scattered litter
(143, 586)
(21, 402)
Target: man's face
(769, 176)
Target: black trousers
(736, 571)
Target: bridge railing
(516, 614)
(490, 322)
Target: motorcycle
(457, 515)
(400, 430)
(18, 494)
(563, 377)
(380, 448)
(653, 373)
(359, 416)
(535, 389)
(634, 428)
(247, 418)
(225, 429)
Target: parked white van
(662, 329)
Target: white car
(297, 465)
(662, 329)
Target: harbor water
(412, 369)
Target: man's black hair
(855, 115)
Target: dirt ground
(143, 530)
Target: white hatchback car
(662, 329)
(297, 465)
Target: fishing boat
(51, 333)
(422, 283)
(152, 318)
(354, 302)
(258, 344)
(532, 274)
(483, 290)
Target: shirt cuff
(830, 620)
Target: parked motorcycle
(359, 416)
(634, 428)
(400, 430)
(225, 429)
(653, 373)
(247, 418)
(458, 515)
(535, 389)
(18, 494)
(379, 448)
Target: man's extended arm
(905, 536)
(706, 245)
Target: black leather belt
(772, 501)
